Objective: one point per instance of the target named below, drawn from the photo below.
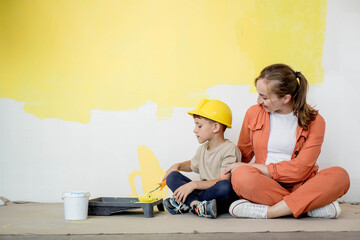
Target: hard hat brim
(202, 114)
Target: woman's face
(269, 100)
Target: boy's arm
(202, 185)
(182, 192)
(185, 166)
(182, 166)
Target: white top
(282, 138)
(210, 163)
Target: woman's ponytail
(302, 110)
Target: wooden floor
(46, 221)
(198, 236)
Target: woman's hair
(287, 81)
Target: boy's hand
(233, 166)
(182, 192)
(174, 167)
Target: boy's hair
(223, 126)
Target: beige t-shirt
(210, 163)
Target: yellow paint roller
(149, 197)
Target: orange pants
(323, 188)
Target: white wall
(337, 97)
(40, 159)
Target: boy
(211, 118)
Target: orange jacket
(253, 140)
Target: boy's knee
(173, 173)
(223, 189)
(172, 176)
(224, 186)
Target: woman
(285, 135)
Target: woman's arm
(245, 141)
(263, 168)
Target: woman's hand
(182, 192)
(233, 166)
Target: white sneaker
(331, 210)
(245, 209)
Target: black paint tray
(106, 206)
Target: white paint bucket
(76, 205)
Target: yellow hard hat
(215, 110)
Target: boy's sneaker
(206, 209)
(245, 209)
(331, 210)
(174, 207)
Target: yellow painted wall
(64, 58)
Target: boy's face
(203, 129)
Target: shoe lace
(201, 209)
(177, 206)
(255, 211)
